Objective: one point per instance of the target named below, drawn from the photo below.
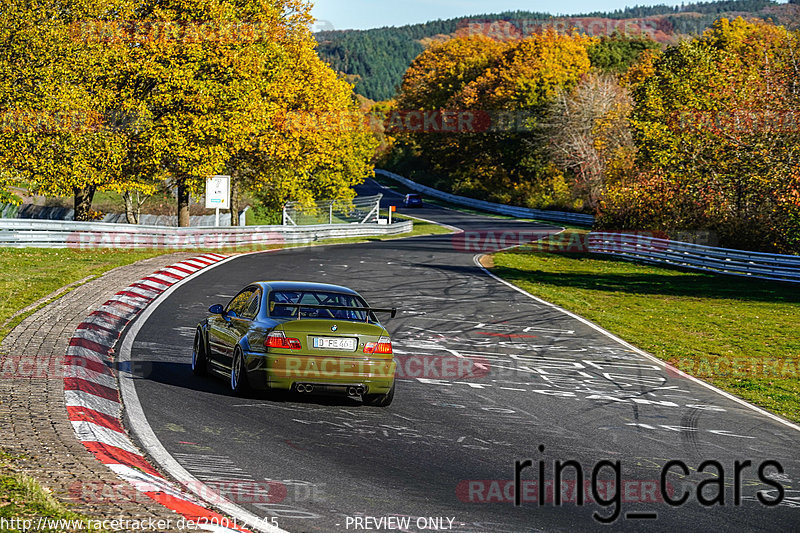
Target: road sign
(218, 193)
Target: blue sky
(362, 14)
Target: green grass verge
(29, 274)
(22, 498)
(736, 333)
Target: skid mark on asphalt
(472, 428)
(278, 498)
(208, 467)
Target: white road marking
(662, 364)
(141, 428)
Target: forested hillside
(376, 59)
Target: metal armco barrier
(509, 210)
(23, 233)
(697, 257)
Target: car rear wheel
(239, 385)
(199, 362)
(379, 400)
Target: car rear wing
(391, 310)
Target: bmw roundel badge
(334, 327)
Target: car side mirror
(216, 309)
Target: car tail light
(384, 345)
(278, 339)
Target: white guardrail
(638, 247)
(510, 210)
(22, 233)
(697, 257)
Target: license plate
(334, 343)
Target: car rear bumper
(283, 371)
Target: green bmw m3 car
(297, 336)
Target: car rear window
(276, 298)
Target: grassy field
(738, 334)
(22, 498)
(30, 274)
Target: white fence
(696, 256)
(491, 207)
(361, 209)
(21, 233)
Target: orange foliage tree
(716, 127)
(505, 88)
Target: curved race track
(445, 445)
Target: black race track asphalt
(446, 448)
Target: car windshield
(316, 298)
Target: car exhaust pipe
(309, 388)
(351, 391)
(300, 387)
(360, 390)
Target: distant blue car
(412, 200)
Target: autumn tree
(197, 71)
(55, 96)
(587, 134)
(312, 142)
(216, 97)
(717, 138)
(617, 53)
(442, 71)
(507, 86)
